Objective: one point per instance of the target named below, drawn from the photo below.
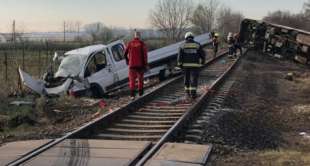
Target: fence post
(19, 84)
(23, 56)
(46, 62)
(6, 65)
(39, 62)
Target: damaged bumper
(39, 87)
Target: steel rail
(177, 127)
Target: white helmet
(189, 34)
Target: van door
(117, 50)
(99, 70)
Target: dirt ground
(269, 118)
(53, 117)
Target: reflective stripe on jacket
(191, 55)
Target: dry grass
(274, 104)
(34, 64)
(268, 158)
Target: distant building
(3, 38)
(151, 33)
(56, 36)
(74, 36)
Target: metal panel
(12, 151)
(181, 154)
(172, 50)
(91, 152)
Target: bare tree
(99, 32)
(94, 29)
(307, 14)
(65, 30)
(229, 21)
(106, 34)
(288, 19)
(172, 17)
(19, 30)
(78, 29)
(204, 16)
(307, 8)
(199, 19)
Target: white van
(102, 68)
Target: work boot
(194, 95)
(187, 96)
(132, 94)
(141, 92)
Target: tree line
(174, 17)
(299, 20)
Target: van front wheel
(162, 75)
(96, 91)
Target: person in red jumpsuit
(136, 59)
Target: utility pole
(13, 32)
(78, 30)
(64, 31)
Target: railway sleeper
(154, 127)
(147, 122)
(151, 107)
(128, 137)
(192, 138)
(159, 114)
(121, 131)
(153, 118)
(163, 112)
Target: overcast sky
(48, 15)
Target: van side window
(97, 63)
(118, 52)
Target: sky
(49, 15)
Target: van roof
(86, 50)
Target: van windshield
(70, 66)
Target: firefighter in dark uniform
(215, 42)
(191, 58)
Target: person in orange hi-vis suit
(136, 59)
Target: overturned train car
(277, 40)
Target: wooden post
(6, 66)
(39, 63)
(19, 84)
(64, 31)
(46, 61)
(23, 56)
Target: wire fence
(35, 59)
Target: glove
(146, 68)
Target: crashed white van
(102, 68)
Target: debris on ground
(53, 117)
(290, 76)
(21, 103)
(272, 124)
(96, 115)
(305, 135)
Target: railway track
(150, 120)
(195, 133)
(154, 117)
